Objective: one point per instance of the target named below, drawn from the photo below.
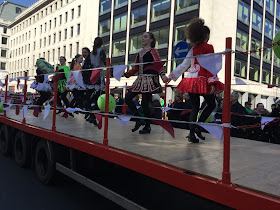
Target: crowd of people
(79, 86)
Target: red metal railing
(105, 140)
(55, 100)
(6, 93)
(24, 97)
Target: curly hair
(196, 31)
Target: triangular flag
(213, 63)
(24, 108)
(125, 118)
(185, 112)
(166, 126)
(70, 110)
(21, 86)
(79, 110)
(47, 111)
(165, 109)
(65, 115)
(2, 85)
(118, 72)
(216, 131)
(138, 107)
(36, 111)
(12, 79)
(79, 78)
(99, 118)
(8, 107)
(124, 123)
(95, 74)
(239, 81)
(17, 109)
(266, 120)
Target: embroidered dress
(148, 74)
(75, 81)
(198, 80)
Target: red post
(54, 100)
(6, 93)
(226, 114)
(105, 140)
(165, 90)
(125, 106)
(25, 92)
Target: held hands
(165, 79)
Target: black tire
(5, 140)
(44, 162)
(22, 149)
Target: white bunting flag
(70, 110)
(265, 120)
(239, 81)
(138, 107)
(165, 109)
(12, 79)
(125, 118)
(79, 78)
(8, 108)
(47, 111)
(118, 72)
(213, 63)
(216, 131)
(79, 110)
(124, 123)
(24, 108)
(1, 84)
(24, 78)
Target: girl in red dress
(199, 81)
(147, 81)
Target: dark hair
(63, 58)
(153, 44)
(74, 60)
(259, 104)
(98, 42)
(196, 31)
(87, 49)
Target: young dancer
(198, 81)
(147, 81)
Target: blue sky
(21, 2)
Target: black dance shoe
(197, 131)
(59, 111)
(192, 138)
(138, 124)
(70, 114)
(145, 130)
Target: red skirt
(198, 85)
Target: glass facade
(119, 47)
(135, 43)
(160, 10)
(105, 6)
(243, 12)
(257, 21)
(120, 23)
(241, 40)
(162, 36)
(240, 69)
(256, 45)
(104, 28)
(268, 29)
(254, 73)
(186, 5)
(270, 6)
(138, 17)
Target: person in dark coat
(156, 111)
(119, 104)
(236, 111)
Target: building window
(49, 40)
(54, 37)
(256, 45)
(53, 54)
(54, 22)
(45, 27)
(4, 53)
(119, 48)
(77, 47)
(45, 41)
(276, 30)
(276, 79)
(265, 76)
(34, 31)
(3, 66)
(34, 46)
(106, 49)
(66, 17)
(78, 29)
(267, 55)
(4, 30)
(18, 10)
(243, 12)
(59, 36)
(64, 51)
(50, 24)
(138, 17)
(120, 3)
(65, 34)
(257, 21)
(41, 26)
(120, 23)
(268, 29)
(260, 2)
(183, 6)
(270, 6)
(254, 73)
(61, 3)
(179, 33)
(160, 10)
(241, 40)
(135, 43)
(104, 28)
(72, 32)
(79, 10)
(240, 69)
(72, 14)
(70, 50)
(278, 11)
(60, 19)
(162, 36)
(4, 40)
(58, 52)
(105, 6)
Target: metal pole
(105, 140)
(6, 94)
(125, 106)
(165, 90)
(55, 100)
(25, 93)
(226, 115)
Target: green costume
(63, 79)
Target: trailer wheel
(22, 150)
(44, 162)
(5, 140)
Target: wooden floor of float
(254, 164)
